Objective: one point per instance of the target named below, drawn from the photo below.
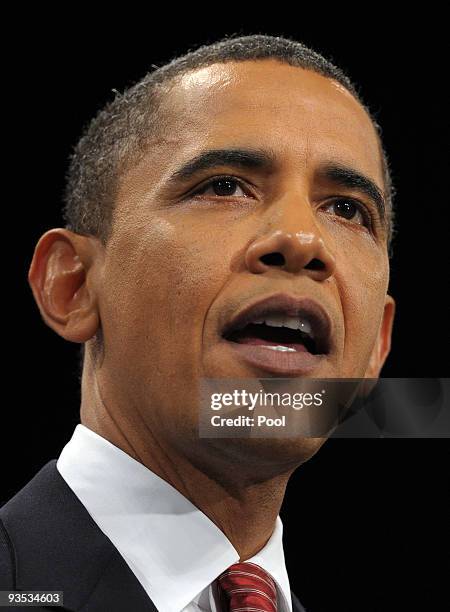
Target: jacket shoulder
(26, 525)
(47, 537)
(40, 525)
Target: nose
(301, 251)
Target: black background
(365, 520)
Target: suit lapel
(296, 605)
(58, 546)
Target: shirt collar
(173, 548)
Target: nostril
(273, 259)
(315, 264)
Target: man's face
(185, 256)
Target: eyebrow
(254, 159)
(265, 160)
(344, 176)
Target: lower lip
(300, 363)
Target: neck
(242, 497)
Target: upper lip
(282, 303)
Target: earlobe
(383, 342)
(59, 279)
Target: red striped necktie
(247, 587)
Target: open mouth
(283, 324)
(282, 335)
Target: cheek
(362, 282)
(161, 280)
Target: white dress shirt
(175, 551)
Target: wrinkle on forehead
(235, 98)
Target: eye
(351, 210)
(221, 186)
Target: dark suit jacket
(48, 541)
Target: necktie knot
(247, 587)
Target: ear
(383, 341)
(63, 280)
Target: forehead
(305, 117)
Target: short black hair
(118, 136)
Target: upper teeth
(286, 321)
